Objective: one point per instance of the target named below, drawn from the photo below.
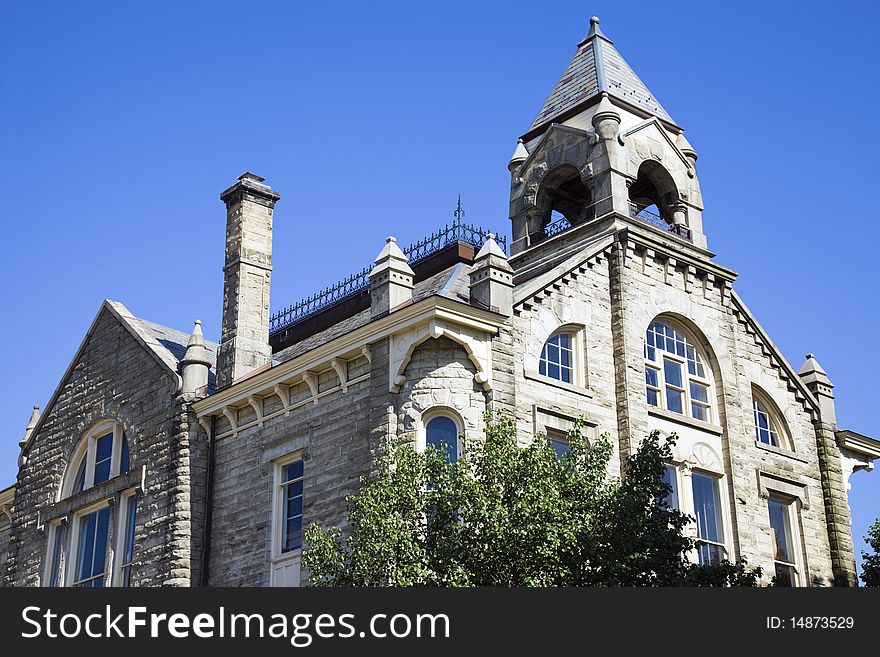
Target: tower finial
(595, 30)
(459, 213)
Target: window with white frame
(287, 520)
(291, 494)
(677, 374)
(670, 478)
(101, 455)
(769, 425)
(558, 357)
(90, 556)
(560, 444)
(81, 549)
(126, 538)
(442, 433)
(708, 514)
(782, 514)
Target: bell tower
(602, 152)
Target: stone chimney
(247, 273)
(391, 280)
(492, 279)
(820, 385)
(195, 364)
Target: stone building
(165, 459)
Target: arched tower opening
(654, 194)
(563, 196)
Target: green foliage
(506, 515)
(871, 562)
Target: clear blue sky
(120, 123)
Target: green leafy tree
(506, 515)
(871, 562)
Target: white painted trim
(85, 449)
(350, 344)
(433, 413)
(278, 560)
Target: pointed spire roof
(490, 248)
(391, 257)
(32, 422)
(812, 372)
(519, 156)
(196, 351)
(596, 68)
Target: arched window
(769, 425)
(441, 433)
(101, 455)
(559, 357)
(93, 546)
(442, 429)
(677, 375)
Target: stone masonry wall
(334, 435)
(652, 284)
(114, 378)
(439, 375)
(579, 301)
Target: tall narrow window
(671, 479)
(707, 509)
(441, 433)
(128, 537)
(57, 555)
(287, 520)
(91, 551)
(292, 496)
(676, 375)
(783, 544)
(557, 358)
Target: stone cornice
(636, 233)
(856, 442)
(434, 308)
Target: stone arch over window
(770, 425)
(680, 372)
(92, 545)
(563, 194)
(101, 454)
(654, 192)
(443, 428)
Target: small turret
(606, 120)
(32, 422)
(519, 156)
(28, 430)
(195, 364)
(391, 280)
(492, 279)
(820, 385)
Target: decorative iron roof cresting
(458, 231)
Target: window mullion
(90, 464)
